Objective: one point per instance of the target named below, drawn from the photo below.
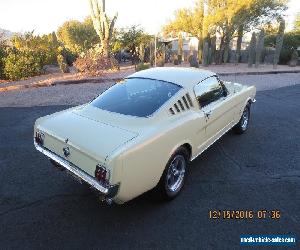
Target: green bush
(142, 66)
(22, 64)
(70, 57)
(77, 36)
(285, 55)
(294, 58)
(28, 54)
(291, 41)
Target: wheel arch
(248, 102)
(186, 145)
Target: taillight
(39, 138)
(102, 174)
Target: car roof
(185, 77)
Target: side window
(208, 91)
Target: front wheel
(242, 125)
(173, 177)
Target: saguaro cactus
(152, 52)
(180, 48)
(205, 56)
(103, 25)
(279, 41)
(239, 44)
(213, 50)
(251, 50)
(259, 47)
(142, 52)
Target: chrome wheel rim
(175, 175)
(245, 119)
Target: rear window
(136, 96)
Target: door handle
(208, 114)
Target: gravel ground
(82, 93)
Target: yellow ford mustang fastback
(141, 133)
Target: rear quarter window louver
(183, 104)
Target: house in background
(190, 44)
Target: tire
(243, 124)
(173, 177)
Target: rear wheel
(173, 177)
(242, 125)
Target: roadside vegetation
(94, 45)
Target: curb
(259, 73)
(85, 80)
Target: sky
(45, 16)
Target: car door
(215, 102)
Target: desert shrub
(175, 59)
(193, 61)
(160, 60)
(285, 55)
(93, 63)
(69, 56)
(23, 64)
(46, 46)
(294, 58)
(179, 59)
(142, 66)
(28, 54)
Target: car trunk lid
(88, 141)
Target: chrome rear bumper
(108, 192)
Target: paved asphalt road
(43, 208)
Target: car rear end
(81, 146)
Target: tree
(228, 18)
(190, 21)
(259, 13)
(221, 18)
(77, 36)
(297, 23)
(291, 41)
(132, 39)
(28, 53)
(103, 25)
(46, 46)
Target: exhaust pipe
(108, 201)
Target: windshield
(136, 96)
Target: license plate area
(75, 177)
